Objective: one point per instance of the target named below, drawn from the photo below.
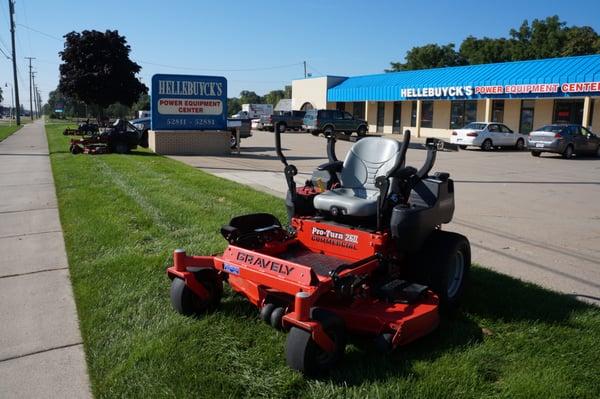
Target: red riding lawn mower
(364, 254)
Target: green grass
(122, 217)
(7, 130)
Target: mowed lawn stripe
(124, 215)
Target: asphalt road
(537, 219)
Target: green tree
(429, 56)
(142, 104)
(274, 96)
(250, 97)
(96, 69)
(485, 50)
(234, 105)
(1, 98)
(580, 41)
(543, 38)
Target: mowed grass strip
(7, 130)
(122, 217)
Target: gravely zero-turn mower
(364, 254)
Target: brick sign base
(178, 142)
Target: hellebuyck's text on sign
(468, 91)
(187, 102)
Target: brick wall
(173, 142)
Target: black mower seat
(368, 159)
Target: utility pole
(39, 97)
(11, 11)
(33, 100)
(30, 87)
(304, 69)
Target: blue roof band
(553, 77)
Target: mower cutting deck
(363, 254)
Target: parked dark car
(565, 139)
(327, 121)
(292, 120)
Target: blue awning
(553, 77)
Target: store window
(568, 111)
(427, 114)
(396, 122)
(340, 106)
(358, 109)
(498, 111)
(462, 113)
(413, 114)
(526, 119)
(380, 116)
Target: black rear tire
(121, 147)
(282, 127)
(462, 147)
(303, 354)
(75, 149)
(328, 131)
(186, 302)
(569, 152)
(487, 145)
(520, 145)
(536, 153)
(443, 265)
(361, 131)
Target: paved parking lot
(537, 219)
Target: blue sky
(260, 45)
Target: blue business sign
(188, 102)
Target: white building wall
(313, 90)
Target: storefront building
(524, 95)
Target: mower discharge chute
(364, 254)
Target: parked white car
(257, 124)
(487, 135)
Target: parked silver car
(567, 140)
(487, 135)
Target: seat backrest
(369, 158)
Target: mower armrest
(332, 167)
(404, 173)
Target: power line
(41, 33)
(222, 70)
(6, 55)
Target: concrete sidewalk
(41, 352)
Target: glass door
(526, 120)
(380, 116)
(396, 124)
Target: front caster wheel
(303, 354)
(265, 312)
(277, 318)
(186, 302)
